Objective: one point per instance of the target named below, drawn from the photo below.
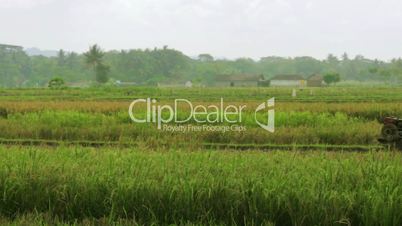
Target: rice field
(74, 156)
(201, 186)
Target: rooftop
(10, 46)
(240, 77)
(287, 77)
(315, 77)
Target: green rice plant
(291, 127)
(72, 184)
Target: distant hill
(39, 52)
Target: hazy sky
(229, 28)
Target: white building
(120, 83)
(288, 81)
(188, 84)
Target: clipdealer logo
(184, 111)
(269, 105)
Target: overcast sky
(224, 28)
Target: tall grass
(367, 110)
(301, 127)
(168, 187)
(325, 94)
(297, 122)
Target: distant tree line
(151, 66)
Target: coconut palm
(94, 58)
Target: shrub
(3, 113)
(56, 83)
(333, 77)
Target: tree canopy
(331, 78)
(151, 66)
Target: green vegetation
(56, 83)
(73, 156)
(291, 128)
(3, 113)
(164, 65)
(332, 78)
(377, 94)
(100, 115)
(94, 59)
(165, 187)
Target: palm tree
(94, 58)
